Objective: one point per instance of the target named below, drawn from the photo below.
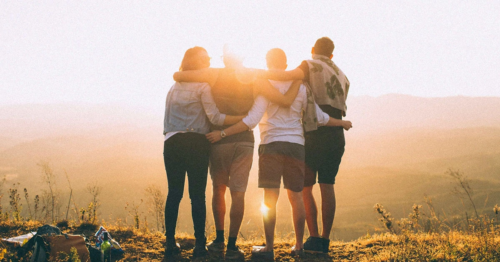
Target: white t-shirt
(280, 123)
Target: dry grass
(409, 246)
(422, 236)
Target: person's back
(231, 158)
(184, 109)
(283, 124)
(328, 83)
(233, 97)
(281, 157)
(324, 146)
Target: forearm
(217, 135)
(281, 75)
(208, 75)
(230, 120)
(273, 95)
(334, 122)
(235, 129)
(346, 124)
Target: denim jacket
(190, 107)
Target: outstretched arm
(281, 75)
(216, 135)
(249, 122)
(264, 88)
(208, 75)
(231, 120)
(325, 120)
(346, 124)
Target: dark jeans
(186, 152)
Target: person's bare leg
(328, 206)
(299, 217)
(311, 211)
(236, 213)
(219, 206)
(270, 199)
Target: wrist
(222, 133)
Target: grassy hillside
(372, 171)
(468, 245)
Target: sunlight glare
(264, 209)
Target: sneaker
(235, 254)
(260, 253)
(313, 245)
(200, 250)
(297, 252)
(216, 247)
(171, 249)
(326, 245)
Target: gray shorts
(230, 165)
(282, 159)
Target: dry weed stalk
(386, 218)
(95, 191)
(463, 188)
(133, 210)
(156, 203)
(26, 197)
(15, 203)
(71, 198)
(50, 196)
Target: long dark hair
(189, 62)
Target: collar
(320, 57)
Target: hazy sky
(126, 51)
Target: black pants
(186, 152)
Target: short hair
(276, 57)
(324, 46)
(189, 62)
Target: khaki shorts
(230, 165)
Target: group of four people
(209, 117)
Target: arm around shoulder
(208, 75)
(281, 75)
(346, 124)
(273, 95)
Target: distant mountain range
(388, 112)
(392, 112)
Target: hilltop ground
(476, 245)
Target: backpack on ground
(48, 243)
(50, 247)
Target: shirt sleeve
(305, 68)
(211, 110)
(256, 112)
(321, 116)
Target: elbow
(176, 77)
(219, 121)
(215, 120)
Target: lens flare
(264, 209)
